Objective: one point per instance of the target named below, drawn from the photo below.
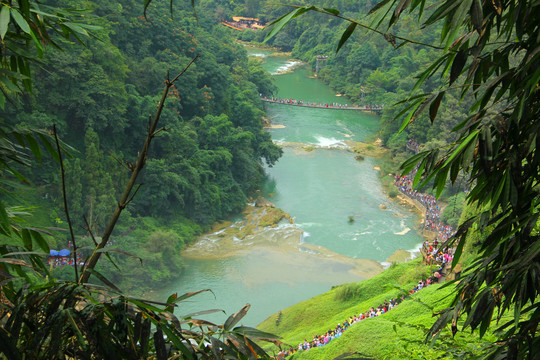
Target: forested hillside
(203, 165)
(367, 68)
(372, 69)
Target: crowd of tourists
(65, 261)
(314, 104)
(435, 255)
(331, 334)
(413, 145)
(64, 257)
(432, 220)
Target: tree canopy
(87, 91)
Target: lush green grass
(398, 334)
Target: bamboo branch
(132, 195)
(90, 230)
(139, 165)
(66, 208)
(159, 130)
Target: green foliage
(494, 147)
(88, 93)
(393, 193)
(452, 212)
(158, 249)
(25, 29)
(70, 320)
(397, 334)
(209, 155)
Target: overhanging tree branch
(66, 208)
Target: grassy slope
(395, 335)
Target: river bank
(321, 182)
(265, 228)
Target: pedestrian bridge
(336, 106)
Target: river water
(321, 185)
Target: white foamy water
(308, 224)
(403, 232)
(261, 55)
(287, 67)
(329, 142)
(415, 251)
(303, 237)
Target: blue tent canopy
(53, 253)
(64, 252)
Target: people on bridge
(334, 105)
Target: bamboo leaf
(104, 280)
(190, 294)
(177, 343)
(8, 346)
(34, 146)
(402, 5)
(109, 249)
(408, 120)
(204, 312)
(76, 28)
(38, 238)
(346, 34)
(199, 322)
(434, 107)
(4, 218)
(378, 6)
(80, 337)
(4, 21)
(146, 4)
(284, 20)
(14, 261)
(457, 253)
(254, 333)
(477, 15)
(441, 12)
(334, 12)
(429, 71)
(145, 336)
(21, 21)
(419, 173)
(457, 65)
(50, 148)
(411, 162)
(159, 344)
(236, 317)
(465, 142)
(26, 238)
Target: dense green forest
(210, 152)
(369, 69)
(203, 166)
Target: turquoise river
(320, 184)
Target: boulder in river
(262, 202)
